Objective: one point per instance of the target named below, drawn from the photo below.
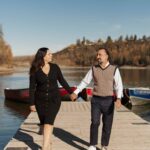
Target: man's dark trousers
(101, 106)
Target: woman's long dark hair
(38, 60)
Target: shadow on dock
(70, 139)
(27, 139)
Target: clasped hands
(73, 96)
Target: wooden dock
(72, 126)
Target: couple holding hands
(46, 100)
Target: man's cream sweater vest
(103, 80)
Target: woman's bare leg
(47, 136)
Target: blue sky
(31, 24)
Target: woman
(44, 92)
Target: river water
(12, 114)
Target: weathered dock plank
(72, 126)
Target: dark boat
(19, 95)
(139, 95)
(22, 95)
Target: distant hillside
(76, 55)
(124, 51)
(129, 51)
(23, 61)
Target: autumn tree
(6, 56)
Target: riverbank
(4, 70)
(135, 67)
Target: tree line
(130, 50)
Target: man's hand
(32, 108)
(73, 96)
(118, 103)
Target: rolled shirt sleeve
(84, 83)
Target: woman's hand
(73, 96)
(32, 108)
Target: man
(106, 79)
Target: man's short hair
(106, 50)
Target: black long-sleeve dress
(44, 93)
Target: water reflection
(17, 80)
(17, 109)
(143, 111)
(136, 77)
(12, 113)
(131, 78)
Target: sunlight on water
(12, 114)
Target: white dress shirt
(118, 87)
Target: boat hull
(139, 101)
(22, 95)
(139, 96)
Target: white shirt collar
(107, 64)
